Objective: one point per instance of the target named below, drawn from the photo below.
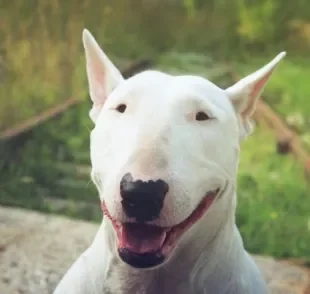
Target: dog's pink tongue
(141, 238)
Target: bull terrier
(164, 154)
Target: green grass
(273, 199)
(273, 196)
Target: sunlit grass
(273, 205)
(41, 54)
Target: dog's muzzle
(142, 245)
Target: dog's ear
(102, 75)
(246, 92)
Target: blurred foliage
(41, 51)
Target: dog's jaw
(215, 262)
(148, 242)
(203, 263)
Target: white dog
(164, 155)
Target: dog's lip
(169, 235)
(175, 232)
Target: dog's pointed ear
(102, 75)
(245, 93)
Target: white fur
(157, 137)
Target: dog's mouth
(146, 246)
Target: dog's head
(164, 152)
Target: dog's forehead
(164, 88)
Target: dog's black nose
(142, 200)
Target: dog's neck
(208, 259)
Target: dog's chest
(151, 289)
(147, 284)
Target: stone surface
(36, 250)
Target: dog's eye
(121, 108)
(200, 116)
